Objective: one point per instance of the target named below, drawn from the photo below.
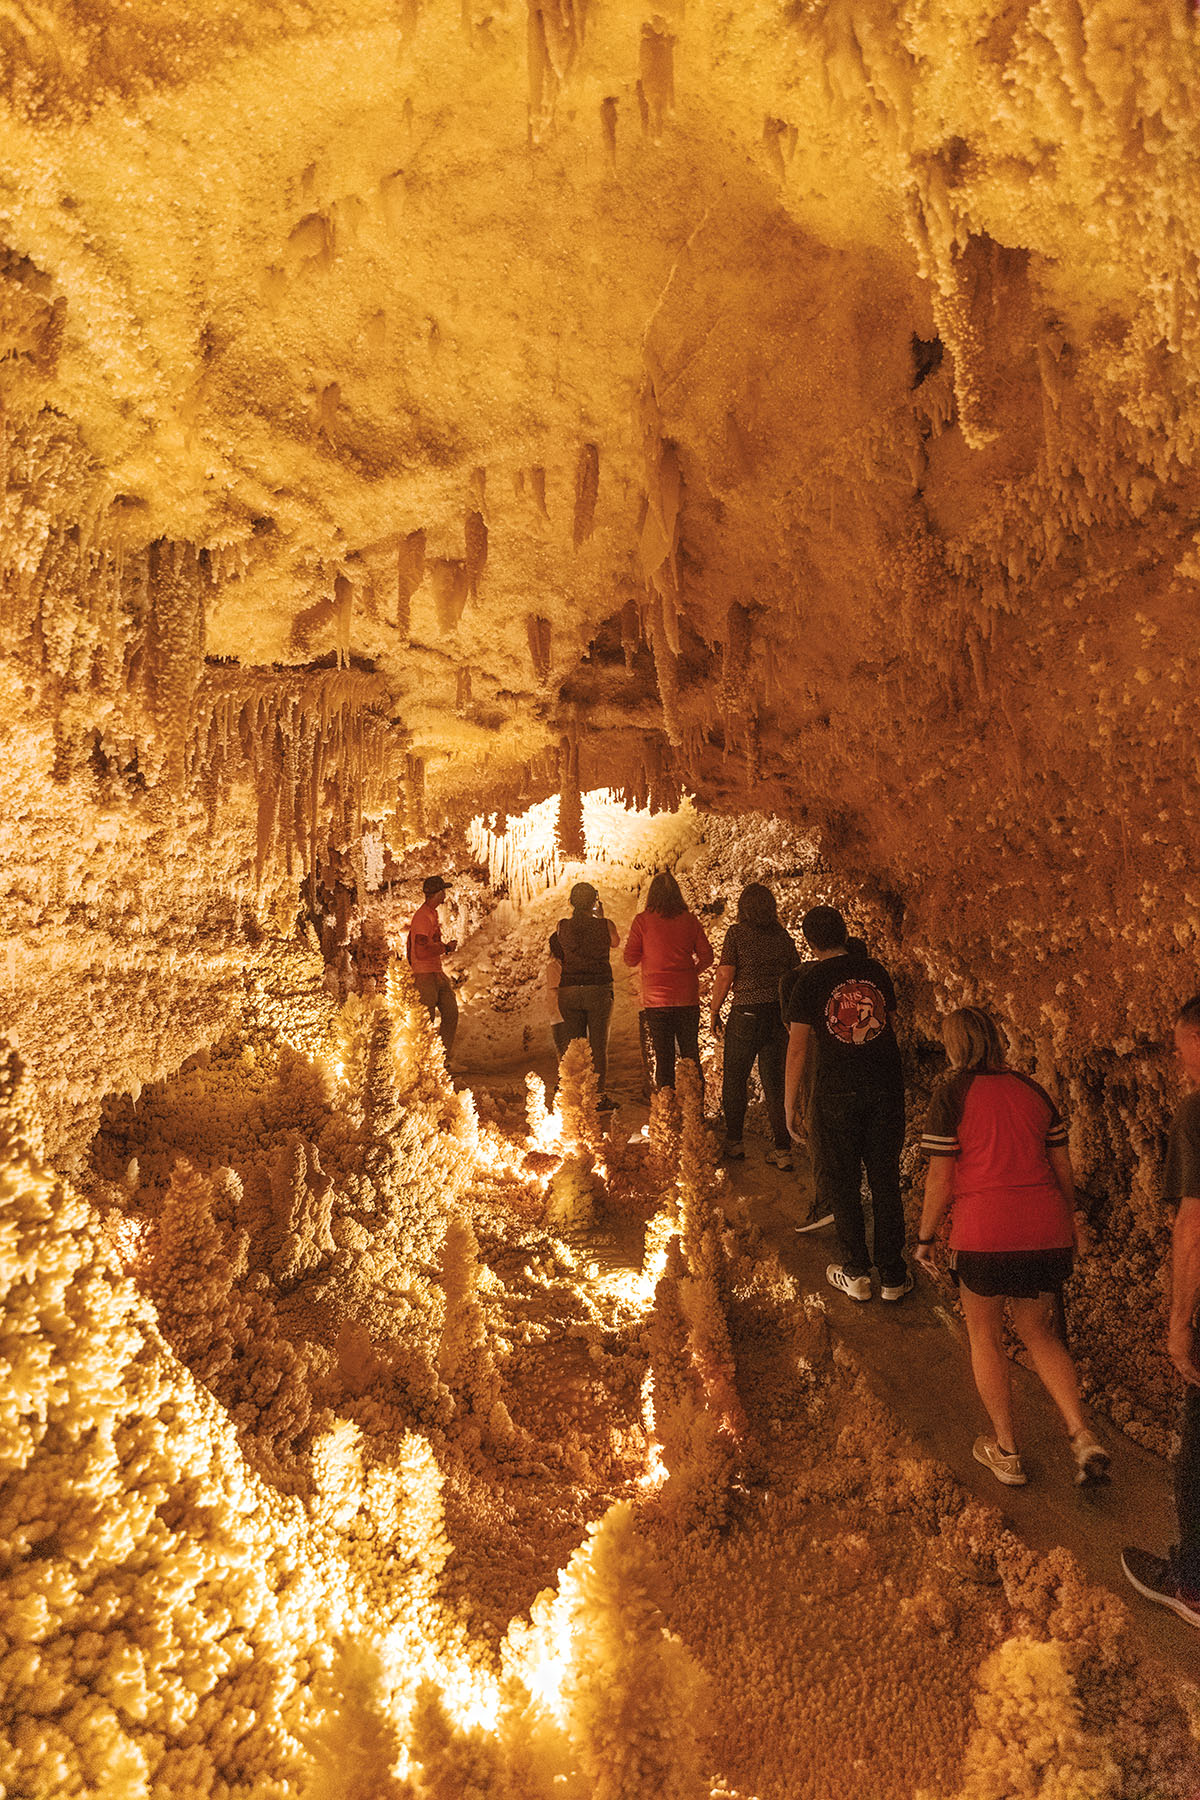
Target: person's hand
(716, 1022)
(795, 1127)
(923, 1255)
(1181, 1348)
(1084, 1241)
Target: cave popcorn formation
(562, 436)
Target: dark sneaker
(896, 1290)
(1155, 1579)
(604, 1104)
(857, 1286)
(1091, 1459)
(733, 1150)
(779, 1159)
(1005, 1465)
(818, 1218)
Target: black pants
(1187, 1490)
(754, 1032)
(586, 1012)
(668, 1027)
(850, 1132)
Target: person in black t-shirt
(839, 1011)
(1174, 1580)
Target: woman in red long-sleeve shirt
(668, 943)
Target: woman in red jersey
(997, 1148)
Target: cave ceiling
(787, 402)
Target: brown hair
(664, 896)
(972, 1039)
(756, 906)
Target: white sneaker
(815, 1221)
(857, 1286)
(898, 1290)
(1006, 1468)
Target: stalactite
(667, 670)
(343, 600)
(414, 796)
(587, 487)
(410, 573)
(451, 590)
(571, 845)
(608, 127)
(539, 633)
(476, 537)
(656, 81)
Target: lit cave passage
(516, 441)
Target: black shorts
(1011, 1274)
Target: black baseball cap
(434, 884)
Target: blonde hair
(972, 1039)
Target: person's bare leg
(1034, 1322)
(989, 1365)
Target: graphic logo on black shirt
(856, 1012)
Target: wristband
(925, 1242)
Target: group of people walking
(999, 1190)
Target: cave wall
(793, 405)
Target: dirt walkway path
(916, 1359)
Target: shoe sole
(1005, 1480)
(814, 1224)
(1180, 1608)
(893, 1295)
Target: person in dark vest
(425, 952)
(581, 980)
(839, 1010)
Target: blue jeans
(754, 1033)
(586, 1012)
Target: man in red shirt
(425, 952)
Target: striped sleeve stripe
(1057, 1135)
(933, 1145)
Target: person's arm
(1185, 1290)
(703, 950)
(799, 1038)
(632, 952)
(614, 936)
(553, 982)
(939, 1191)
(722, 982)
(1059, 1158)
